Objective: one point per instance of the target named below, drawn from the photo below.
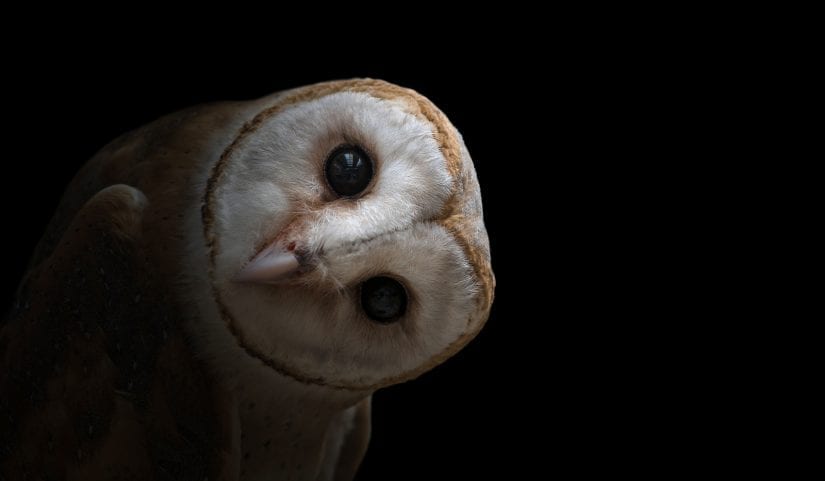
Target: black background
(552, 381)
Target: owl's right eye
(348, 171)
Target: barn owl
(221, 291)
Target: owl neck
(285, 423)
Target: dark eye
(348, 171)
(383, 299)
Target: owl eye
(348, 170)
(383, 299)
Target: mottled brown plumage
(105, 373)
(98, 380)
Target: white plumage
(259, 266)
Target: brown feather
(98, 381)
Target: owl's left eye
(348, 170)
(383, 299)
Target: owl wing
(97, 381)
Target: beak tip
(268, 267)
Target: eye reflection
(348, 171)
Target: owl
(220, 292)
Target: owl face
(345, 236)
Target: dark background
(552, 382)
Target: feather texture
(133, 353)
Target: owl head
(344, 234)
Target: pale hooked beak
(270, 265)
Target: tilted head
(345, 236)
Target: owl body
(220, 292)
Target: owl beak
(269, 266)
